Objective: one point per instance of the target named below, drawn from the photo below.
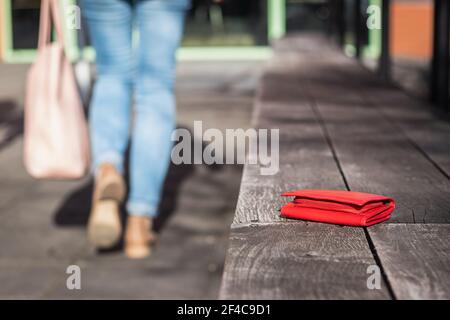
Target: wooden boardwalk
(342, 128)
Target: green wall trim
(210, 53)
(374, 47)
(10, 55)
(6, 28)
(276, 29)
(276, 19)
(224, 53)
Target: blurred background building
(239, 30)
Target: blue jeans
(145, 70)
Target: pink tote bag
(56, 142)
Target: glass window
(226, 23)
(304, 15)
(25, 23)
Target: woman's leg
(160, 24)
(110, 27)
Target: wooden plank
(375, 156)
(416, 258)
(298, 261)
(304, 164)
(268, 256)
(423, 128)
(305, 159)
(381, 148)
(376, 127)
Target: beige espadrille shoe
(104, 226)
(138, 237)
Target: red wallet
(338, 207)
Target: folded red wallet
(338, 207)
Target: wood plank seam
(362, 89)
(329, 140)
(393, 272)
(440, 188)
(255, 222)
(295, 260)
(407, 137)
(322, 124)
(248, 221)
(348, 133)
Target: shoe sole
(105, 228)
(112, 190)
(133, 251)
(137, 253)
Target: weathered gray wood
(298, 261)
(318, 97)
(305, 158)
(375, 155)
(415, 148)
(414, 117)
(424, 129)
(270, 257)
(416, 258)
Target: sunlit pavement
(42, 223)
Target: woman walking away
(142, 69)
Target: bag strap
(50, 11)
